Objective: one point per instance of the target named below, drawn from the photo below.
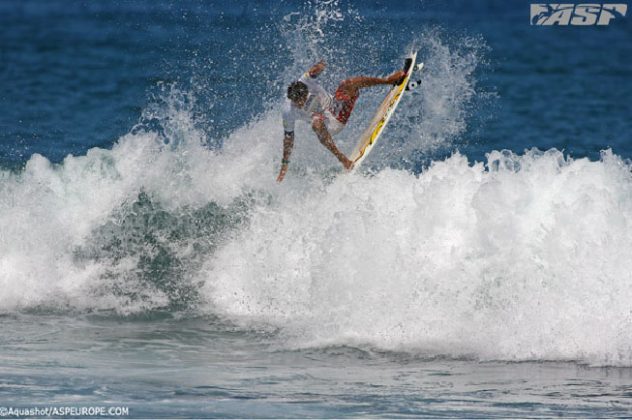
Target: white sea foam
(527, 260)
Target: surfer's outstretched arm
(288, 145)
(317, 69)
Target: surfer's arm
(316, 69)
(288, 145)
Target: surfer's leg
(333, 125)
(353, 85)
(318, 124)
(349, 90)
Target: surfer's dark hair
(297, 90)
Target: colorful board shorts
(336, 118)
(343, 103)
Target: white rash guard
(319, 103)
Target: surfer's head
(297, 93)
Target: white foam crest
(527, 259)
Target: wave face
(522, 257)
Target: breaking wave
(521, 257)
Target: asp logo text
(576, 14)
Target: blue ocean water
(478, 266)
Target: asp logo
(576, 14)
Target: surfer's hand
(282, 173)
(396, 78)
(317, 68)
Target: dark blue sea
(479, 264)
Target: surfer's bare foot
(396, 77)
(348, 164)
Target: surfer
(328, 115)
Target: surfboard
(372, 133)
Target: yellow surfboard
(380, 120)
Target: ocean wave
(522, 257)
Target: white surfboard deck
(370, 136)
